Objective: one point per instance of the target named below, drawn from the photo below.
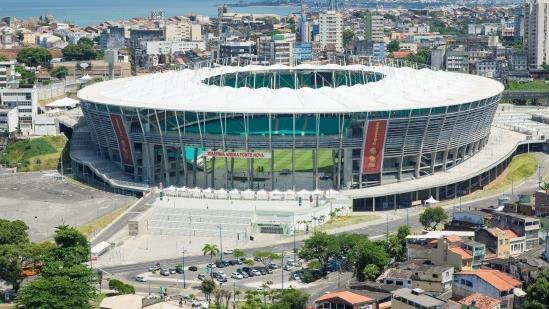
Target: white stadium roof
(401, 88)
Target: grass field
(283, 160)
(347, 220)
(535, 85)
(521, 166)
(34, 154)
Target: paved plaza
(46, 200)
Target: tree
(393, 46)
(207, 287)
(72, 247)
(121, 287)
(348, 36)
(249, 262)
(266, 257)
(56, 292)
(3, 58)
(59, 72)
(371, 272)
(211, 250)
(238, 253)
(34, 56)
(27, 77)
(64, 282)
(290, 299)
(321, 246)
(432, 217)
(20, 36)
(85, 41)
(253, 301)
(367, 252)
(422, 56)
(13, 232)
(81, 51)
(537, 295)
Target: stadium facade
(279, 127)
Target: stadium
(313, 127)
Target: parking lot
(46, 200)
(239, 276)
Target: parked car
(228, 251)
(155, 267)
(257, 272)
(165, 272)
(246, 269)
(211, 265)
(245, 275)
(273, 265)
(140, 278)
(201, 277)
(287, 267)
(172, 271)
(221, 279)
(295, 277)
(236, 275)
(193, 268)
(219, 264)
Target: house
(523, 226)
(399, 276)
(433, 278)
(471, 220)
(406, 298)
(490, 282)
(496, 240)
(449, 251)
(479, 301)
(418, 247)
(542, 203)
(345, 299)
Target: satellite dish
(84, 65)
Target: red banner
(122, 137)
(372, 152)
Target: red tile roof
(464, 254)
(346, 296)
(401, 54)
(453, 238)
(510, 234)
(481, 301)
(496, 278)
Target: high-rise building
(183, 29)
(303, 25)
(536, 28)
(331, 30)
(7, 73)
(277, 48)
(112, 38)
(374, 27)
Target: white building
(171, 47)
(26, 102)
(8, 119)
(278, 49)
(331, 30)
(536, 28)
(183, 29)
(7, 72)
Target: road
(129, 272)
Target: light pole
(220, 242)
(294, 247)
(282, 272)
(183, 269)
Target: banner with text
(238, 155)
(122, 137)
(374, 142)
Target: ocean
(93, 12)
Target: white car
(228, 251)
(236, 275)
(140, 278)
(256, 272)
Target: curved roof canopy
(399, 89)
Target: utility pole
(387, 227)
(220, 241)
(282, 272)
(294, 246)
(183, 270)
(407, 218)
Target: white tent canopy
(431, 200)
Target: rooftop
(421, 299)
(479, 301)
(495, 278)
(345, 296)
(399, 89)
(464, 254)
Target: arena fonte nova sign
(238, 155)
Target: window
(435, 275)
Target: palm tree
(237, 295)
(227, 295)
(218, 293)
(545, 186)
(211, 250)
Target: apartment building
(279, 48)
(523, 226)
(182, 29)
(374, 27)
(493, 283)
(536, 28)
(7, 72)
(25, 102)
(331, 30)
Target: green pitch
(283, 161)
